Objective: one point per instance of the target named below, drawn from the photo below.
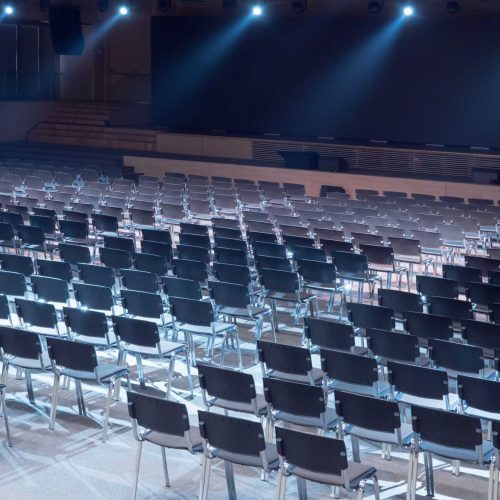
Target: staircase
(87, 124)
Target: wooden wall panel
(312, 180)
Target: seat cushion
(289, 297)
(250, 460)
(244, 407)
(173, 441)
(30, 364)
(166, 347)
(104, 371)
(381, 437)
(316, 375)
(355, 474)
(206, 330)
(331, 419)
(457, 453)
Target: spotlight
(123, 10)
(164, 5)
(257, 10)
(375, 6)
(8, 10)
(299, 6)
(408, 11)
(453, 7)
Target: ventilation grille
(380, 159)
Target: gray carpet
(72, 462)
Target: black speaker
(66, 30)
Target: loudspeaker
(66, 30)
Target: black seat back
(391, 345)
(55, 269)
(436, 286)
(93, 296)
(400, 302)
(234, 435)
(329, 334)
(74, 254)
(141, 281)
(481, 333)
(231, 256)
(446, 428)
(119, 243)
(369, 316)
(462, 274)
(426, 326)
(284, 358)
(456, 357)
(453, 308)
(136, 331)
(478, 393)
(190, 269)
(193, 312)
(17, 263)
(158, 248)
(144, 304)
(297, 399)
(179, 287)
(367, 412)
(96, 275)
(50, 289)
(150, 263)
(12, 283)
(317, 272)
(158, 414)
(482, 293)
(85, 322)
(349, 368)
(115, 258)
(418, 381)
(279, 281)
(229, 294)
(20, 343)
(72, 355)
(36, 313)
(226, 384)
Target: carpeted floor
(71, 462)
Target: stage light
(375, 6)
(453, 6)
(257, 10)
(123, 10)
(299, 6)
(8, 10)
(408, 10)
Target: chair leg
(231, 488)
(205, 477)
(29, 387)
(137, 467)
(79, 397)
(429, 474)
(361, 489)
(3, 405)
(275, 315)
(280, 486)
(491, 481)
(355, 449)
(412, 474)
(376, 488)
(238, 349)
(302, 488)
(171, 367)
(111, 388)
(190, 378)
(53, 409)
(165, 468)
(140, 371)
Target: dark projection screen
(409, 80)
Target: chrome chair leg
(190, 378)
(140, 371)
(281, 486)
(429, 474)
(302, 488)
(361, 490)
(3, 405)
(171, 367)
(205, 477)
(376, 488)
(231, 488)
(111, 388)
(79, 398)
(165, 467)
(355, 449)
(55, 394)
(137, 467)
(29, 387)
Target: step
(102, 136)
(92, 128)
(76, 121)
(93, 142)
